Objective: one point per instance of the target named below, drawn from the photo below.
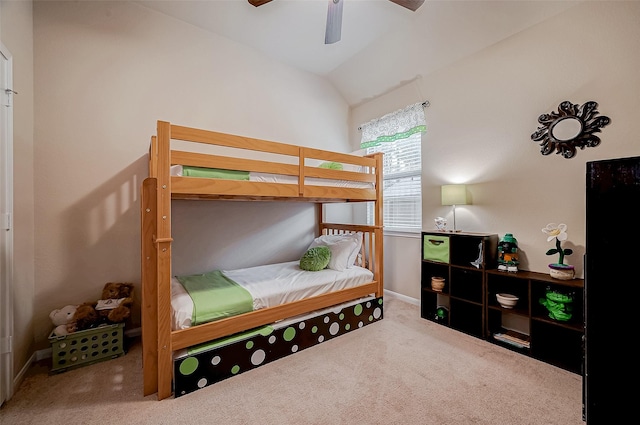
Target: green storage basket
(436, 248)
(86, 347)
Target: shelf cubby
(461, 259)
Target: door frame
(6, 224)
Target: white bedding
(176, 170)
(272, 285)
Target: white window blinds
(399, 136)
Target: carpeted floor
(401, 370)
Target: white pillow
(344, 249)
(354, 255)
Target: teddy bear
(86, 316)
(113, 307)
(115, 304)
(64, 320)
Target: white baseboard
(17, 380)
(404, 298)
(132, 333)
(42, 354)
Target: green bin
(86, 347)
(436, 248)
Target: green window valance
(394, 126)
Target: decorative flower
(559, 233)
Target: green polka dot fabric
(205, 368)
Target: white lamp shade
(454, 194)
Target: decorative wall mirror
(572, 127)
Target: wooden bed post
(163, 251)
(301, 171)
(379, 232)
(153, 157)
(320, 215)
(149, 272)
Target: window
(399, 136)
(401, 187)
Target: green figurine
(508, 253)
(558, 305)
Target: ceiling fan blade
(257, 3)
(334, 22)
(412, 5)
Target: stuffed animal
(86, 316)
(115, 303)
(64, 320)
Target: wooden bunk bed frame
(160, 188)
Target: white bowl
(507, 300)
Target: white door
(6, 228)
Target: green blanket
(215, 296)
(214, 173)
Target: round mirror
(565, 129)
(571, 127)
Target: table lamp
(454, 194)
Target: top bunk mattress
(254, 176)
(271, 285)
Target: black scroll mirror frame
(552, 139)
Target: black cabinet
(611, 254)
(461, 259)
(528, 327)
(468, 264)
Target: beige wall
(17, 36)
(484, 108)
(105, 72)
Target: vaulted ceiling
(382, 44)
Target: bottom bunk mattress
(206, 297)
(209, 363)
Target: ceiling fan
(334, 15)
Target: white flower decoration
(554, 230)
(559, 233)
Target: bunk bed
(206, 166)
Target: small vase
(561, 271)
(437, 284)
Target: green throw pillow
(331, 165)
(315, 259)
